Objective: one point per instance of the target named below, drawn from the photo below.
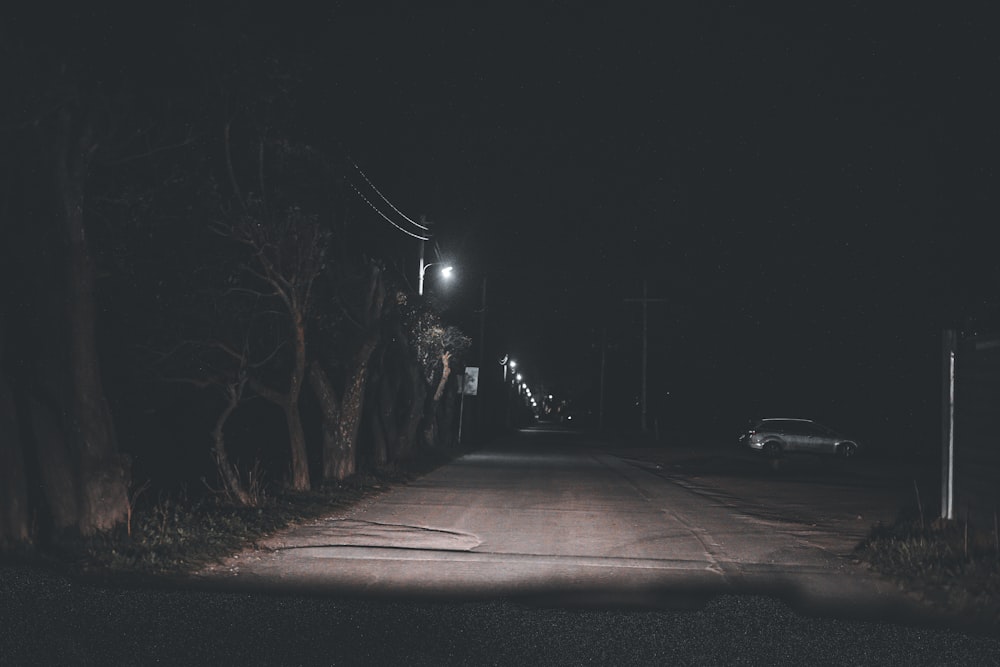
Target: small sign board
(470, 385)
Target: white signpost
(469, 387)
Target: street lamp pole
(445, 272)
(422, 268)
(423, 265)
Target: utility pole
(604, 354)
(482, 364)
(422, 267)
(645, 300)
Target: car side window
(792, 427)
(789, 427)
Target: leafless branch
(265, 360)
(349, 317)
(267, 392)
(164, 355)
(199, 382)
(247, 290)
(260, 170)
(229, 168)
(272, 313)
(221, 228)
(219, 345)
(160, 149)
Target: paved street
(547, 515)
(545, 549)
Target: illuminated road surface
(538, 517)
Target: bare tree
(342, 414)
(219, 366)
(286, 254)
(287, 251)
(426, 351)
(233, 485)
(104, 488)
(431, 423)
(14, 515)
(14, 511)
(398, 394)
(64, 406)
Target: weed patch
(173, 534)
(948, 563)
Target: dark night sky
(810, 190)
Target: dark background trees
(188, 294)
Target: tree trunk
(387, 415)
(227, 471)
(296, 435)
(330, 409)
(289, 401)
(14, 508)
(340, 443)
(56, 466)
(297, 439)
(342, 461)
(14, 514)
(445, 374)
(406, 446)
(430, 430)
(103, 483)
(381, 404)
(449, 420)
(380, 440)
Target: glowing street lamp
(446, 272)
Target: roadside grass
(175, 534)
(950, 564)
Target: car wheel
(847, 450)
(772, 450)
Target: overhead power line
(386, 199)
(387, 218)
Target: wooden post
(645, 300)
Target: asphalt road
(550, 515)
(541, 550)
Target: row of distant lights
(524, 385)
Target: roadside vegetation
(953, 565)
(178, 533)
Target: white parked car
(774, 437)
